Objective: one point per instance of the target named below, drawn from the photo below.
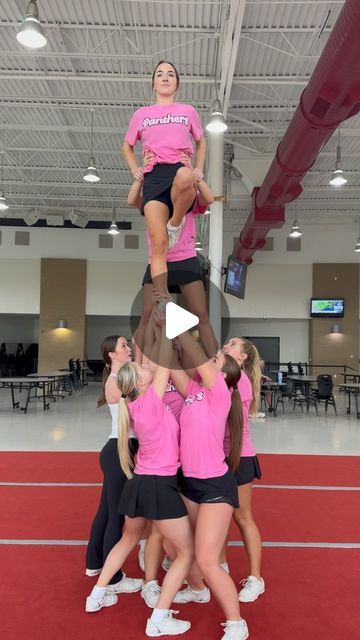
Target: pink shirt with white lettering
(246, 394)
(166, 130)
(202, 429)
(174, 400)
(157, 430)
(185, 246)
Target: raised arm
(179, 377)
(206, 368)
(161, 377)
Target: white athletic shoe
(92, 572)
(126, 585)
(174, 233)
(92, 604)
(151, 593)
(166, 563)
(235, 630)
(225, 566)
(252, 589)
(189, 595)
(168, 626)
(141, 558)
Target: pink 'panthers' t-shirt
(174, 400)
(166, 130)
(246, 394)
(158, 433)
(202, 429)
(185, 246)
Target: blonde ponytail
(253, 370)
(126, 380)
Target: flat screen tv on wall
(327, 307)
(235, 277)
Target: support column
(62, 297)
(216, 180)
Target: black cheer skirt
(152, 497)
(247, 470)
(159, 180)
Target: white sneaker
(92, 572)
(126, 585)
(166, 563)
(235, 630)
(225, 566)
(174, 233)
(141, 558)
(92, 604)
(189, 595)
(151, 593)
(168, 626)
(252, 589)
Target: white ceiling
(101, 53)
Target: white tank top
(114, 410)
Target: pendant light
(338, 178)
(31, 32)
(217, 123)
(295, 231)
(3, 205)
(113, 229)
(91, 173)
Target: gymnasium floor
(307, 507)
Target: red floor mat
(282, 515)
(43, 466)
(305, 598)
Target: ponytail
(253, 370)
(126, 461)
(108, 346)
(236, 427)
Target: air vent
(105, 241)
(22, 238)
(293, 244)
(131, 242)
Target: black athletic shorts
(211, 490)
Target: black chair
(286, 391)
(324, 393)
(290, 369)
(300, 368)
(3, 360)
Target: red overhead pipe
(332, 96)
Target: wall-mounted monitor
(327, 307)
(235, 277)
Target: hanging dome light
(338, 178)
(113, 229)
(91, 173)
(295, 231)
(217, 123)
(3, 205)
(31, 32)
(357, 246)
(198, 244)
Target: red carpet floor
(44, 466)
(282, 514)
(309, 597)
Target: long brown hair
(108, 345)
(171, 65)
(127, 378)
(235, 418)
(253, 370)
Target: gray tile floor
(74, 424)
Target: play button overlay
(186, 312)
(178, 320)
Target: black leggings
(106, 529)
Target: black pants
(106, 529)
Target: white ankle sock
(98, 592)
(171, 227)
(158, 615)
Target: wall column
(62, 297)
(335, 281)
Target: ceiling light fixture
(338, 178)
(198, 244)
(295, 231)
(3, 205)
(31, 32)
(113, 229)
(91, 173)
(217, 123)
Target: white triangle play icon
(178, 320)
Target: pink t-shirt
(174, 400)
(202, 429)
(166, 130)
(246, 394)
(185, 246)
(158, 433)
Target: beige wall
(62, 296)
(336, 280)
